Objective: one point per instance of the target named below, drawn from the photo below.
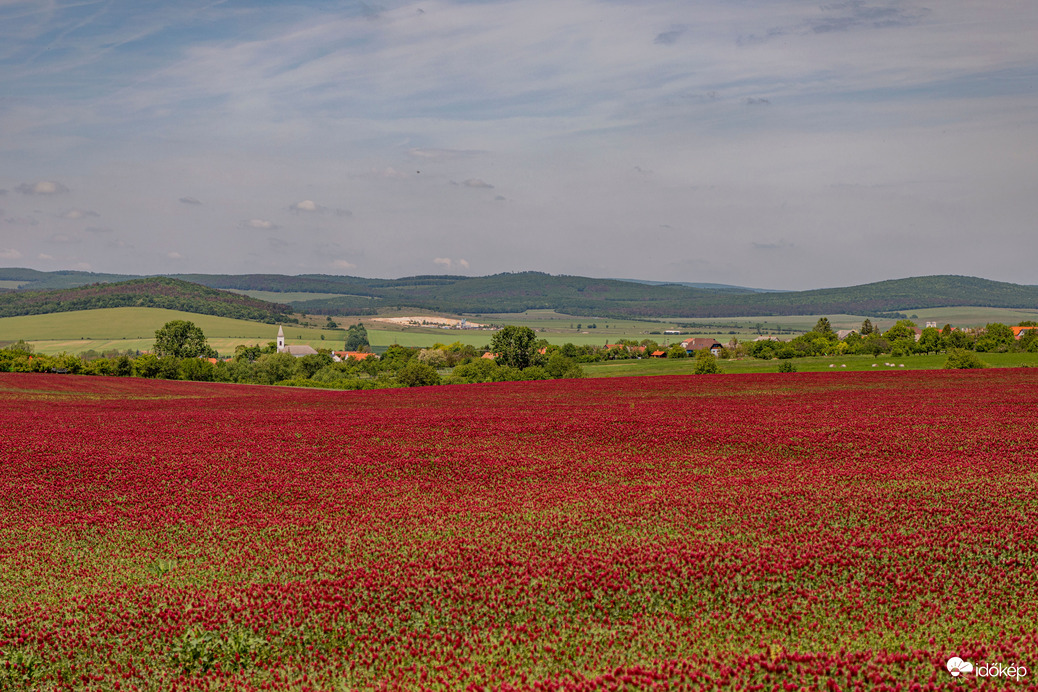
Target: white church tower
(281, 339)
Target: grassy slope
(134, 328)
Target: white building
(297, 351)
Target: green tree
(560, 367)
(480, 370)
(197, 370)
(866, 327)
(122, 366)
(357, 338)
(930, 340)
(417, 374)
(823, 327)
(275, 367)
(169, 368)
(182, 339)
(903, 329)
(396, 357)
(705, 363)
(514, 346)
(310, 364)
(247, 353)
(1000, 336)
(960, 339)
(146, 365)
(22, 347)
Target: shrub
(706, 364)
(417, 374)
(960, 359)
(787, 366)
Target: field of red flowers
(773, 532)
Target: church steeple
(281, 339)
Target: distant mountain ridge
(575, 295)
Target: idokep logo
(956, 666)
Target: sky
(768, 143)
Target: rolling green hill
(155, 292)
(573, 295)
(612, 298)
(134, 329)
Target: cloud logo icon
(956, 666)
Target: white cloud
(82, 266)
(42, 187)
(307, 205)
(44, 256)
(79, 214)
(448, 263)
(343, 264)
(10, 253)
(63, 239)
(259, 224)
(744, 113)
(174, 255)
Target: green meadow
(683, 366)
(134, 328)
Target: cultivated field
(134, 328)
(811, 531)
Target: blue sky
(777, 143)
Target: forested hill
(584, 296)
(156, 292)
(577, 295)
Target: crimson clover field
(769, 532)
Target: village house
(340, 356)
(702, 344)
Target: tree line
(182, 352)
(900, 340)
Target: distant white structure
(297, 351)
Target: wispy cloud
(42, 187)
(76, 214)
(745, 114)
